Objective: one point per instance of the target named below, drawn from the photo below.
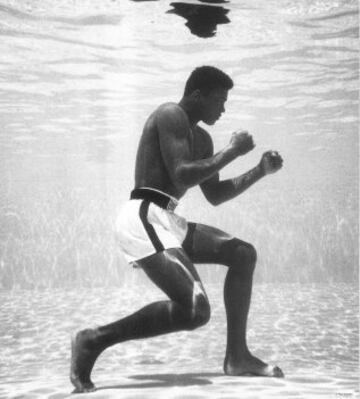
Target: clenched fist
(270, 162)
(242, 142)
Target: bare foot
(251, 365)
(82, 361)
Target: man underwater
(175, 154)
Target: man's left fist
(270, 162)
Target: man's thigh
(207, 244)
(174, 273)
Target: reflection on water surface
(202, 20)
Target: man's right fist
(270, 162)
(242, 142)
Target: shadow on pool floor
(166, 380)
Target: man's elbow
(214, 199)
(184, 179)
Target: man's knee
(251, 254)
(237, 252)
(199, 314)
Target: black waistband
(158, 198)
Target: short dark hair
(207, 78)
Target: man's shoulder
(170, 109)
(170, 117)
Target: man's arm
(217, 192)
(174, 130)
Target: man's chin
(211, 122)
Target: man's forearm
(192, 173)
(230, 188)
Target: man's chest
(197, 145)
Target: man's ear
(196, 94)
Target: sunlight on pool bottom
(310, 331)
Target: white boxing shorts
(147, 224)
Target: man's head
(207, 87)
(206, 79)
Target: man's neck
(188, 106)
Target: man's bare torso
(150, 169)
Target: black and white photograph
(179, 199)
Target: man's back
(150, 169)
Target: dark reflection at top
(202, 20)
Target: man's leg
(205, 244)
(188, 308)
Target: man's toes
(277, 372)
